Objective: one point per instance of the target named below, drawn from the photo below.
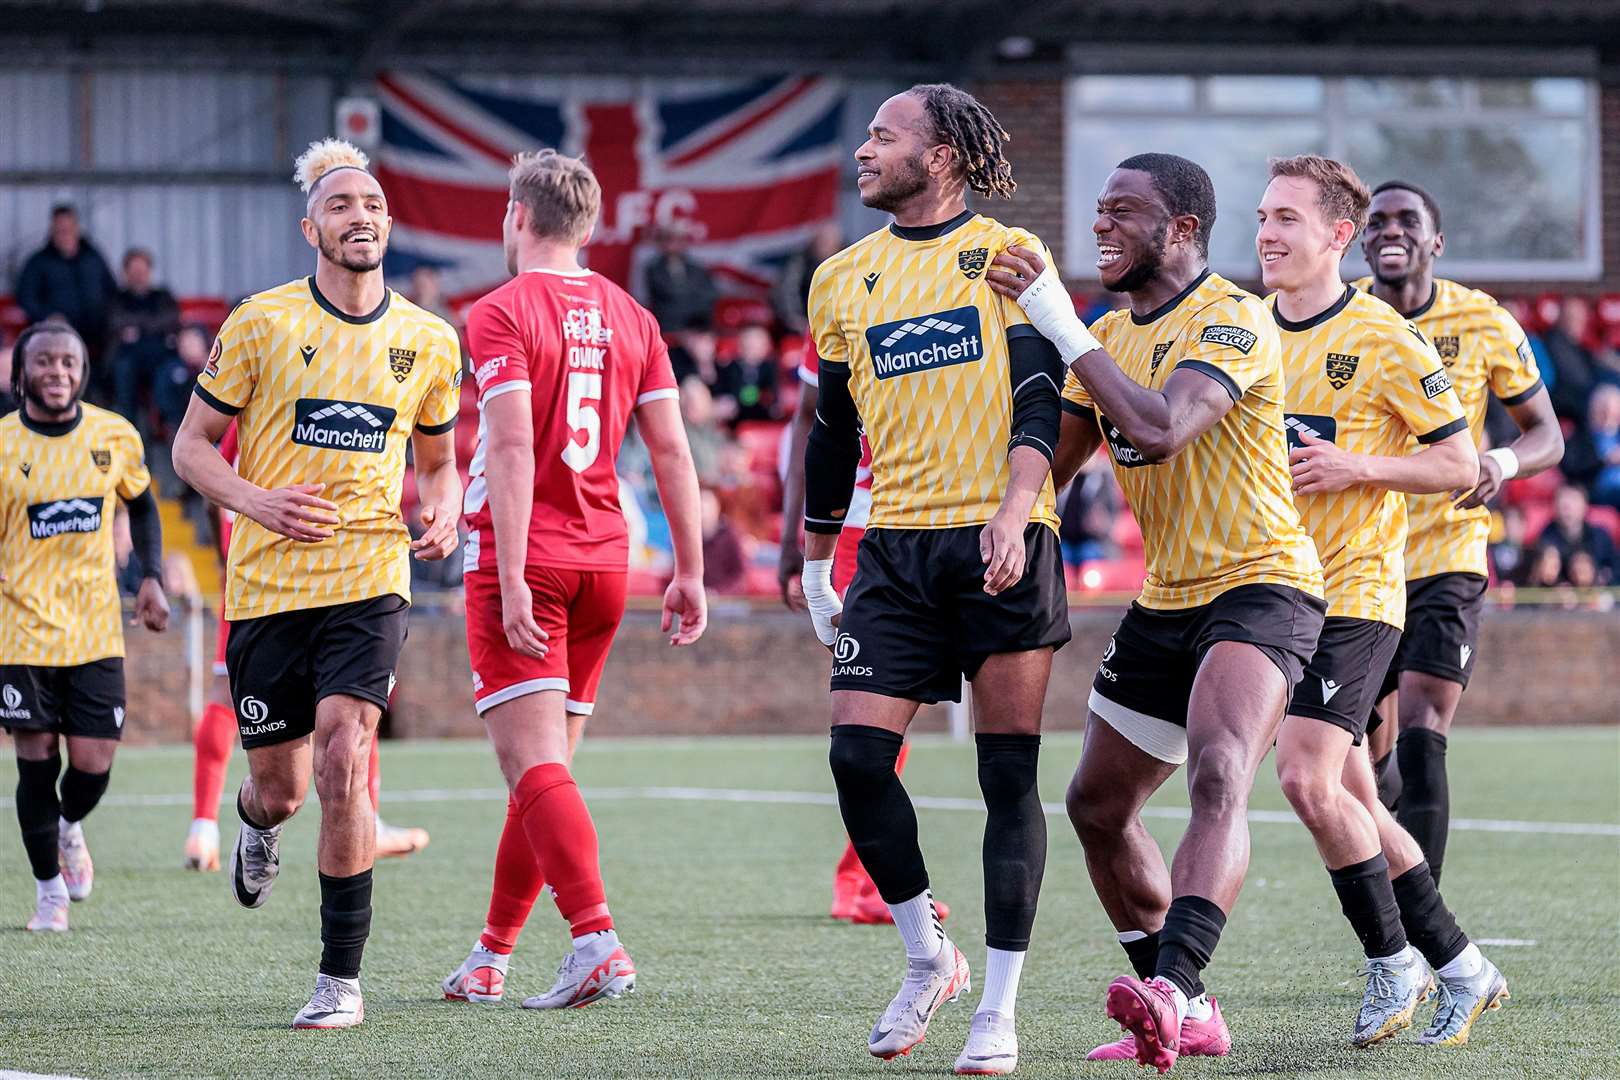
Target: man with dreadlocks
(958, 573)
(62, 466)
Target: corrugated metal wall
(195, 165)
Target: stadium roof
(961, 38)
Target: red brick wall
(1033, 112)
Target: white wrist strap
(1051, 309)
(820, 598)
(1507, 459)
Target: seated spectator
(680, 291)
(171, 387)
(749, 378)
(725, 560)
(790, 297)
(1508, 553)
(692, 353)
(715, 454)
(1574, 368)
(142, 325)
(427, 292)
(1546, 569)
(1086, 516)
(1569, 534)
(1592, 458)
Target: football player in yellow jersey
(64, 467)
(1483, 348)
(1363, 383)
(959, 572)
(1186, 389)
(328, 378)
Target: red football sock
(518, 880)
(900, 761)
(564, 838)
(374, 777)
(215, 737)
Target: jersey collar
(932, 232)
(1423, 308)
(332, 309)
(1315, 320)
(48, 428)
(1171, 304)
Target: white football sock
(919, 926)
(55, 886)
(1400, 959)
(1468, 963)
(1128, 936)
(205, 827)
(1179, 998)
(595, 938)
(1001, 971)
(69, 831)
(1199, 1008)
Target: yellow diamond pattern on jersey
(1488, 352)
(938, 436)
(59, 602)
(1391, 399)
(1219, 514)
(349, 381)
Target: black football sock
(1014, 837)
(1144, 954)
(1425, 809)
(81, 791)
(345, 923)
(37, 811)
(878, 815)
(1429, 924)
(1387, 771)
(1368, 902)
(1192, 929)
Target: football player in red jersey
(563, 359)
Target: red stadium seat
(210, 311)
(762, 439)
(1606, 517)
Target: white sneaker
(255, 862)
(928, 985)
(480, 978)
(601, 969)
(77, 869)
(992, 1047)
(336, 1003)
(50, 912)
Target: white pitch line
(823, 798)
(10, 1074)
(1506, 942)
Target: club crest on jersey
(1324, 428)
(211, 369)
(925, 342)
(400, 362)
(101, 459)
(1158, 356)
(1436, 383)
(1341, 368)
(341, 425)
(1448, 347)
(971, 262)
(48, 519)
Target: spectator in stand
(1570, 534)
(1574, 368)
(171, 388)
(1592, 459)
(1508, 554)
(7, 403)
(749, 378)
(692, 353)
(143, 323)
(715, 454)
(427, 292)
(725, 560)
(680, 291)
(68, 279)
(1546, 568)
(790, 298)
(1086, 516)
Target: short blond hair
(560, 192)
(1341, 195)
(323, 156)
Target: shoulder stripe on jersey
(214, 403)
(1081, 411)
(658, 395)
(505, 388)
(1205, 368)
(1523, 395)
(1445, 432)
(438, 429)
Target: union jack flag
(749, 166)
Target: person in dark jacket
(68, 279)
(144, 323)
(680, 290)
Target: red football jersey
(589, 355)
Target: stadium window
(1513, 162)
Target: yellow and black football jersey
(1481, 346)
(1363, 378)
(1219, 514)
(925, 340)
(322, 397)
(58, 490)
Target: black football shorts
(1342, 681)
(1442, 628)
(84, 699)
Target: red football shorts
(220, 637)
(849, 541)
(579, 609)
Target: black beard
(33, 397)
(1393, 281)
(354, 266)
(908, 182)
(1143, 269)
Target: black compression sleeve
(146, 533)
(1037, 374)
(832, 453)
